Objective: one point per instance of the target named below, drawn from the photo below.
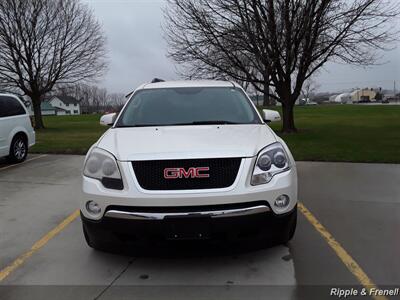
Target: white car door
(5, 128)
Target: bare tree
(102, 98)
(92, 98)
(117, 100)
(79, 91)
(48, 42)
(277, 43)
(310, 86)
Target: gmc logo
(174, 173)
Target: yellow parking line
(344, 256)
(36, 246)
(33, 158)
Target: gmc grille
(222, 173)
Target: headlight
(102, 165)
(271, 160)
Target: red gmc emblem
(174, 173)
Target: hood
(185, 142)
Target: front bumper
(240, 192)
(139, 225)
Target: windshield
(188, 106)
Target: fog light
(282, 201)
(93, 208)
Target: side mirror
(108, 119)
(271, 116)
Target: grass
(354, 133)
(68, 134)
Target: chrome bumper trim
(118, 214)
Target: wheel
(18, 149)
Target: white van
(16, 132)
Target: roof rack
(155, 80)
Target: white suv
(16, 132)
(188, 160)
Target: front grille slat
(222, 171)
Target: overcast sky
(137, 51)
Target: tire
(18, 149)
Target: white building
(341, 98)
(65, 105)
(363, 94)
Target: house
(47, 109)
(65, 105)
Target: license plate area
(187, 228)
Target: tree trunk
(288, 117)
(36, 101)
(266, 99)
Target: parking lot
(43, 251)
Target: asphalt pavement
(358, 204)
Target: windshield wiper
(216, 122)
(213, 122)
(139, 125)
